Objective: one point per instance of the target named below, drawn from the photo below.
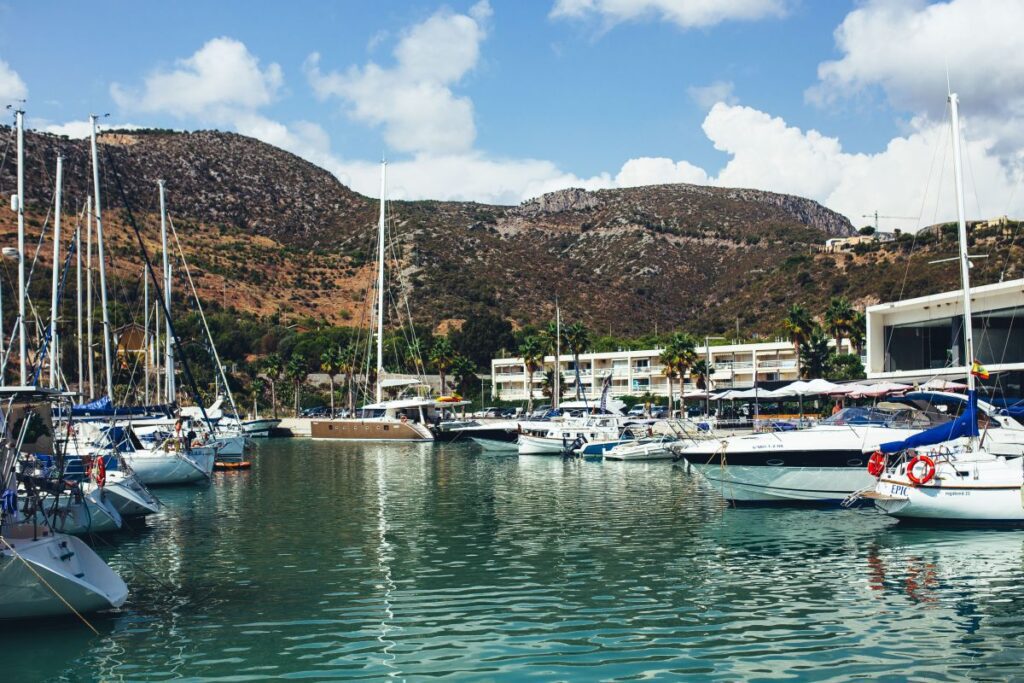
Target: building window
(933, 344)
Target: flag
(978, 370)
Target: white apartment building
(921, 338)
(638, 372)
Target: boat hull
(71, 569)
(767, 484)
(962, 492)
(369, 430)
(95, 513)
(260, 429)
(168, 468)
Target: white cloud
(904, 47)
(12, 88)
(907, 178)
(77, 129)
(219, 79)
(709, 95)
(413, 100)
(683, 13)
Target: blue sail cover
(965, 425)
(102, 403)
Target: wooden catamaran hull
(369, 430)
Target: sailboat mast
(22, 345)
(965, 263)
(88, 299)
(145, 335)
(78, 301)
(103, 270)
(557, 391)
(380, 283)
(169, 352)
(54, 344)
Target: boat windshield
(367, 413)
(903, 417)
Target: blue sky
(498, 101)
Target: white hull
(94, 514)
(784, 484)
(640, 451)
(989, 490)
(495, 445)
(166, 468)
(129, 496)
(541, 445)
(259, 429)
(68, 565)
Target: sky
(498, 101)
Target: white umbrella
(937, 384)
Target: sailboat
(950, 474)
(42, 572)
(403, 419)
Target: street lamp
(707, 358)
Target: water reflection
(334, 560)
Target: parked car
(315, 411)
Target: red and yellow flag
(978, 370)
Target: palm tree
(685, 356)
(838, 319)
(463, 371)
(815, 352)
(442, 355)
(347, 366)
(701, 373)
(858, 331)
(532, 352)
(272, 367)
(548, 386)
(669, 360)
(577, 338)
(330, 359)
(256, 387)
(798, 325)
(297, 373)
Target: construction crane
(876, 217)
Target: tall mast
(169, 352)
(145, 335)
(22, 345)
(54, 344)
(557, 390)
(380, 282)
(90, 355)
(78, 301)
(965, 263)
(103, 269)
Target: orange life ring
(404, 418)
(928, 473)
(100, 473)
(876, 463)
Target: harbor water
(369, 561)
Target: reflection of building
(639, 372)
(922, 338)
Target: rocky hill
(268, 232)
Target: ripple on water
(366, 562)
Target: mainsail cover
(966, 425)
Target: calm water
(409, 562)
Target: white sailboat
(42, 572)
(931, 476)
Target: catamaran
(402, 419)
